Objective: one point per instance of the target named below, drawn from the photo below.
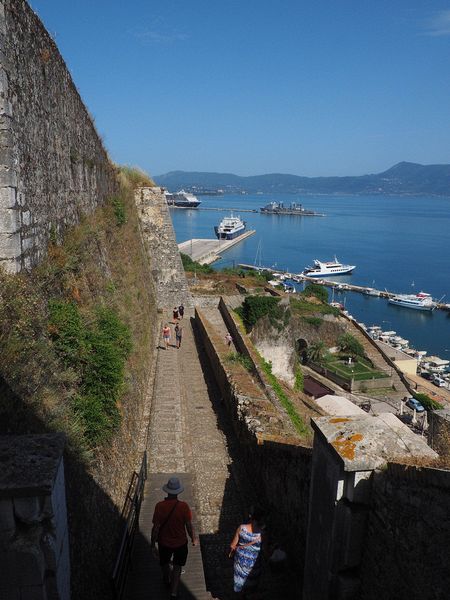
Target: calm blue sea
(398, 243)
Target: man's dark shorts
(179, 555)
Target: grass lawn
(359, 370)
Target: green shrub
(119, 210)
(299, 379)
(285, 401)
(304, 308)
(314, 289)
(427, 402)
(97, 352)
(315, 321)
(194, 266)
(256, 307)
(235, 357)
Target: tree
(319, 291)
(316, 352)
(349, 344)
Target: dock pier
(340, 287)
(207, 251)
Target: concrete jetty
(207, 251)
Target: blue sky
(316, 87)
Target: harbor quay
(207, 251)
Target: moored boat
(230, 228)
(278, 208)
(420, 301)
(182, 199)
(324, 269)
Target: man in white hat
(171, 520)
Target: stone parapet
(34, 540)
(347, 453)
(159, 238)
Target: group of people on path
(178, 313)
(172, 523)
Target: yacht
(230, 228)
(420, 301)
(182, 199)
(323, 269)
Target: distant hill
(403, 178)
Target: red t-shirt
(173, 533)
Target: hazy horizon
(314, 89)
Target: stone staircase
(191, 434)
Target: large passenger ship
(230, 228)
(420, 301)
(182, 199)
(323, 269)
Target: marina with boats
(404, 300)
(385, 266)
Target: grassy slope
(100, 264)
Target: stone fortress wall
(356, 522)
(53, 166)
(158, 236)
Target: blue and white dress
(247, 560)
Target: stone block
(26, 567)
(9, 220)
(26, 217)
(10, 246)
(28, 510)
(7, 197)
(7, 521)
(34, 592)
(8, 176)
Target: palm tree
(316, 352)
(350, 345)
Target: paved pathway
(190, 435)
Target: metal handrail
(130, 518)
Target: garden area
(348, 363)
(350, 368)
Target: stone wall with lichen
(53, 166)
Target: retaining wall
(279, 467)
(406, 546)
(53, 166)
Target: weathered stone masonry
(53, 167)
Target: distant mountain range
(403, 178)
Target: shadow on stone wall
(93, 519)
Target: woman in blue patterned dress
(246, 545)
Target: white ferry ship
(323, 269)
(182, 199)
(230, 228)
(420, 301)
